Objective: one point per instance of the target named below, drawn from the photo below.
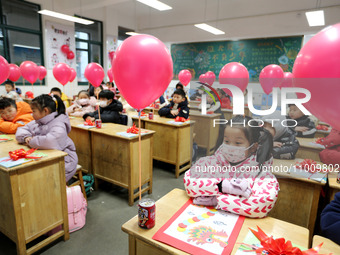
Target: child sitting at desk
(49, 130)
(57, 92)
(11, 91)
(82, 105)
(177, 107)
(13, 115)
(331, 153)
(109, 109)
(305, 126)
(330, 220)
(285, 143)
(237, 177)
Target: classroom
(169, 127)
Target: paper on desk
(85, 126)
(317, 145)
(130, 135)
(5, 138)
(317, 176)
(12, 163)
(175, 122)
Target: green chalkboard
(253, 53)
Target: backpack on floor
(77, 208)
(88, 183)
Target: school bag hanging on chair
(77, 208)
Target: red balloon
(203, 78)
(4, 69)
(70, 55)
(142, 68)
(287, 80)
(30, 71)
(94, 73)
(184, 77)
(317, 69)
(42, 72)
(236, 74)
(210, 77)
(65, 49)
(110, 74)
(62, 73)
(271, 76)
(73, 75)
(14, 72)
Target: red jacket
(331, 154)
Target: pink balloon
(142, 68)
(271, 76)
(30, 71)
(203, 78)
(14, 72)
(42, 72)
(94, 73)
(184, 77)
(65, 48)
(210, 77)
(4, 69)
(317, 69)
(73, 75)
(236, 74)
(110, 74)
(62, 73)
(287, 80)
(70, 55)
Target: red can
(98, 123)
(146, 213)
(150, 115)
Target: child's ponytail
(53, 103)
(265, 146)
(59, 105)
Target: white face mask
(234, 154)
(84, 101)
(103, 104)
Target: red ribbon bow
(322, 127)
(180, 119)
(133, 129)
(21, 153)
(88, 122)
(309, 165)
(279, 246)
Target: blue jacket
(330, 220)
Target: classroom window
(89, 47)
(20, 33)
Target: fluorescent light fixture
(66, 17)
(132, 33)
(315, 18)
(156, 4)
(210, 29)
(26, 46)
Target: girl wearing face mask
(237, 177)
(109, 107)
(82, 105)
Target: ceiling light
(132, 33)
(156, 4)
(66, 17)
(209, 29)
(315, 18)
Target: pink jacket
(50, 132)
(264, 185)
(331, 154)
(83, 109)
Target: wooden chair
(79, 176)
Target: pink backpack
(77, 208)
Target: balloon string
(98, 106)
(140, 155)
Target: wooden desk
(149, 109)
(328, 245)
(33, 199)
(334, 187)
(172, 143)
(298, 198)
(115, 158)
(141, 242)
(228, 113)
(194, 103)
(82, 140)
(307, 150)
(206, 134)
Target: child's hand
(77, 109)
(28, 139)
(301, 129)
(174, 112)
(277, 144)
(90, 118)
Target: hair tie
(55, 100)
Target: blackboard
(253, 53)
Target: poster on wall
(57, 36)
(111, 46)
